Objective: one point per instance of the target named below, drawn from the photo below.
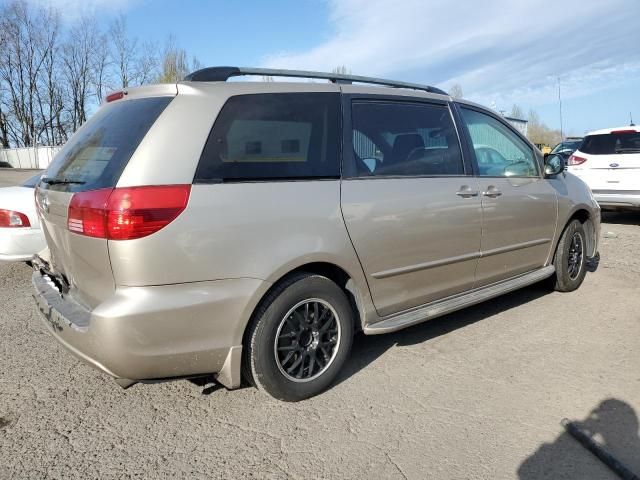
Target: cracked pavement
(476, 394)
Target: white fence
(29, 157)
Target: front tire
(570, 259)
(299, 339)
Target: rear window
(98, 153)
(612, 143)
(570, 146)
(273, 136)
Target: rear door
(519, 207)
(609, 163)
(410, 207)
(92, 160)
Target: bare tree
(516, 111)
(146, 70)
(175, 64)
(53, 75)
(341, 69)
(101, 77)
(123, 51)
(456, 90)
(78, 56)
(539, 133)
(28, 41)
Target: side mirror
(553, 164)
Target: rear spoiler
(159, 90)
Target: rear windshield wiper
(61, 181)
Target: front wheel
(570, 259)
(299, 339)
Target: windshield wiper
(61, 181)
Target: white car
(20, 234)
(609, 162)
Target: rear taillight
(11, 219)
(576, 160)
(126, 213)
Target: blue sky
(500, 51)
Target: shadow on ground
(367, 348)
(613, 423)
(621, 218)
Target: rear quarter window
(98, 153)
(273, 136)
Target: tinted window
(612, 143)
(568, 146)
(98, 152)
(401, 139)
(500, 152)
(273, 136)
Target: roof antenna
(631, 120)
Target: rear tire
(299, 339)
(570, 259)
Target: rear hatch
(609, 161)
(91, 162)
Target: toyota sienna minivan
(249, 229)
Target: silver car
(249, 229)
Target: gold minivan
(249, 229)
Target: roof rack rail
(222, 74)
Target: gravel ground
(476, 394)
(13, 176)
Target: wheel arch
(584, 216)
(334, 272)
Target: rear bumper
(157, 332)
(620, 199)
(20, 244)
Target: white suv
(609, 162)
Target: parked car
(567, 147)
(248, 229)
(20, 234)
(609, 162)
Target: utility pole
(560, 103)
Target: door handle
(492, 192)
(466, 192)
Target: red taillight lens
(576, 160)
(11, 219)
(126, 213)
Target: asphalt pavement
(476, 394)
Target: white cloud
(71, 10)
(498, 50)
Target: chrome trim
(515, 246)
(424, 266)
(460, 258)
(451, 304)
